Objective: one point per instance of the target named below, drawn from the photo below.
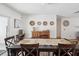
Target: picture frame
(17, 23)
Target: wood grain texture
(40, 34)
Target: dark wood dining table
(45, 45)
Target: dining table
(45, 45)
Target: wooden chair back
(20, 37)
(66, 49)
(30, 49)
(9, 41)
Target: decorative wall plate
(66, 23)
(51, 23)
(38, 23)
(32, 23)
(45, 23)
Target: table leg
(48, 53)
(13, 52)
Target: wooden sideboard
(40, 34)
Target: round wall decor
(51, 23)
(38, 23)
(45, 23)
(32, 23)
(66, 23)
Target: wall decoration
(17, 23)
(45, 23)
(32, 23)
(66, 23)
(51, 23)
(39, 23)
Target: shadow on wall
(77, 35)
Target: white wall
(70, 31)
(13, 31)
(3, 24)
(66, 32)
(41, 18)
(11, 14)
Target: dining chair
(9, 41)
(66, 49)
(20, 37)
(30, 49)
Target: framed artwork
(38, 23)
(17, 23)
(51, 23)
(32, 23)
(66, 23)
(45, 23)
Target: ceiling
(63, 9)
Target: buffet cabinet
(41, 34)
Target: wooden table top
(44, 41)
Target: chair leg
(48, 53)
(8, 52)
(53, 54)
(59, 53)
